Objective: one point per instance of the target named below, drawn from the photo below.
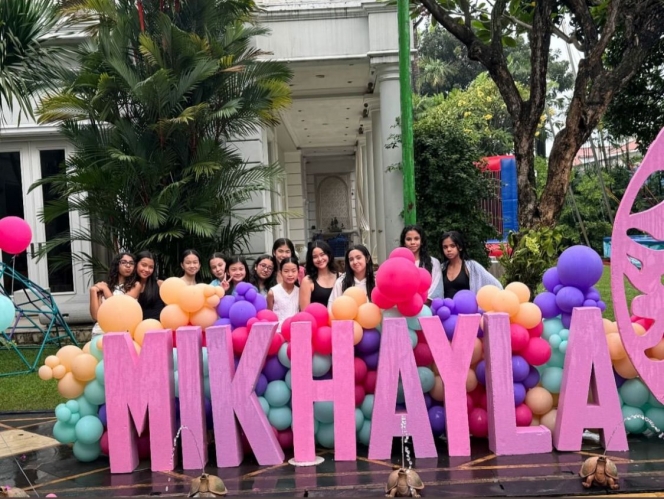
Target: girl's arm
(270, 300)
(306, 288)
(95, 302)
(104, 289)
(159, 282)
(135, 291)
(436, 289)
(336, 291)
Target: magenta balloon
(579, 266)
(403, 253)
(550, 279)
(15, 235)
(397, 279)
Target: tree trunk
(524, 151)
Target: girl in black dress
(149, 299)
(322, 273)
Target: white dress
(436, 288)
(285, 305)
(337, 290)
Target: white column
(371, 194)
(293, 167)
(378, 184)
(390, 111)
(359, 186)
(365, 194)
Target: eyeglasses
(127, 263)
(268, 268)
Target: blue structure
(509, 194)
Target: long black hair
(291, 259)
(188, 252)
(311, 269)
(349, 276)
(150, 294)
(230, 261)
(283, 241)
(459, 242)
(270, 281)
(114, 273)
(425, 258)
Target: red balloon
(277, 341)
(519, 337)
(524, 416)
(240, 336)
(174, 342)
(15, 235)
(203, 339)
(469, 402)
(267, 315)
(370, 382)
(412, 307)
(103, 443)
(360, 371)
(478, 421)
(360, 393)
(143, 446)
(423, 356)
(381, 300)
(477, 395)
(285, 328)
(322, 340)
(536, 352)
(536, 332)
(285, 438)
(319, 312)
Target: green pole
(407, 160)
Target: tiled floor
(53, 469)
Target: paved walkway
(32, 460)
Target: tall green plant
(161, 90)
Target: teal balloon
(206, 362)
(563, 347)
(552, 378)
(656, 415)
(325, 435)
(401, 397)
(425, 312)
(87, 452)
(324, 412)
(277, 393)
(175, 359)
(62, 413)
(552, 326)
(634, 393)
(637, 424)
(94, 348)
(75, 417)
(72, 405)
(554, 341)
(85, 408)
(321, 364)
(280, 417)
(367, 406)
(379, 327)
(94, 392)
(557, 359)
(7, 312)
(89, 429)
(564, 334)
(206, 387)
(359, 419)
(283, 355)
(64, 433)
(288, 380)
(316, 425)
(176, 378)
(653, 402)
(427, 378)
(413, 338)
(391, 312)
(99, 372)
(265, 405)
(364, 435)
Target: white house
(344, 55)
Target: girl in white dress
(414, 238)
(284, 298)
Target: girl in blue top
(218, 269)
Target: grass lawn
(604, 288)
(26, 392)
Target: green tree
(485, 28)
(160, 90)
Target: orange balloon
(616, 348)
(212, 301)
(45, 373)
(144, 327)
(86, 347)
(59, 371)
(69, 387)
(609, 327)
(137, 347)
(368, 315)
(119, 314)
(529, 315)
(485, 297)
(549, 419)
(173, 317)
(100, 345)
(471, 381)
(555, 397)
(520, 290)
(505, 301)
(219, 291)
(170, 290)
(83, 367)
(191, 299)
(358, 332)
(207, 289)
(535, 421)
(67, 354)
(438, 390)
(205, 317)
(638, 329)
(539, 400)
(657, 352)
(478, 351)
(52, 361)
(344, 308)
(625, 368)
(357, 294)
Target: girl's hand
(225, 284)
(102, 286)
(94, 290)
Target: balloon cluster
(637, 403)
(188, 305)
(448, 309)
(354, 306)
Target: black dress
(151, 309)
(462, 281)
(320, 294)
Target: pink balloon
(277, 341)
(423, 356)
(103, 443)
(536, 331)
(524, 416)
(285, 438)
(478, 422)
(285, 328)
(370, 382)
(397, 279)
(412, 307)
(519, 337)
(425, 280)
(251, 322)
(536, 352)
(403, 253)
(360, 393)
(469, 403)
(322, 340)
(240, 336)
(306, 317)
(15, 235)
(360, 371)
(319, 312)
(267, 315)
(380, 300)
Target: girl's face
(145, 268)
(191, 265)
(126, 266)
(289, 273)
(413, 241)
(357, 261)
(282, 252)
(264, 269)
(237, 272)
(320, 258)
(450, 250)
(218, 268)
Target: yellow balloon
(478, 351)
(368, 315)
(609, 327)
(83, 367)
(86, 347)
(520, 290)
(173, 317)
(67, 354)
(144, 327)
(191, 299)
(119, 314)
(471, 381)
(357, 294)
(344, 308)
(170, 290)
(529, 315)
(656, 352)
(485, 297)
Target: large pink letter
(453, 361)
(192, 409)
(340, 389)
(504, 436)
(587, 365)
(233, 395)
(396, 358)
(137, 386)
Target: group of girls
(287, 286)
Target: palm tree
(434, 73)
(160, 91)
(28, 57)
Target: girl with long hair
(359, 272)
(321, 275)
(237, 270)
(284, 248)
(263, 274)
(414, 238)
(218, 269)
(190, 261)
(149, 299)
(283, 299)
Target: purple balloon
(480, 372)
(449, 324)
(224, 321)
(443, 312)
(370, 342)
(401, 407)
(590, 303)
(260, 303)
(593, 294)
(449, 303)
(550, 279)
(580, 266)
(601, 305)
(208, 413)
(102, 415)
(532, 379)
(236, 361)
(519, 394)
(437, 420)
(273, 369)
(371, 361)
(558, 288)
(241, 312)
(520, 368)
(568, 298)
(546, 302)
(465, 302)
(428, 400)
(566, 319)
(261, 385)
(224, 307)
(238, 297)
(250, 295)
(242, 288)
(436, 304)
(619, 379)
